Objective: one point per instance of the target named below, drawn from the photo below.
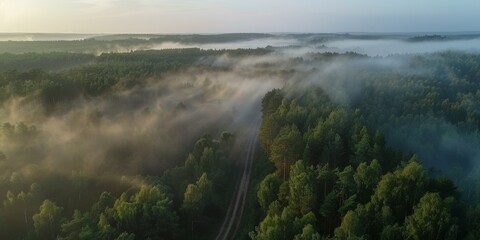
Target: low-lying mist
(44, 36)
(149, 128)
(255, 43)
(145, 129)
(387, 47)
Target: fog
(146, 129)
(44, 36)
(255, 43)
(152, 126)
(390, 47)
(291, 44)
(295, 46)
(442, 147)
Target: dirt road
(233, 218)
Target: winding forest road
(232, 221)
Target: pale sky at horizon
(213, 16)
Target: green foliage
(147, 214)
(270, 124)
(286, 149)
(53, 61)
(390, 232)
(303, 188)
(431, 219)
(366, 199)
(268, 190)
(367, 177)
(194, 197)
(335, 175)
(401, 190)
(361, 148)
(308, 233)
(207, 160)
(352, 226)
(27, 73)
(139, 208)
(47, 221)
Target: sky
(215, 16)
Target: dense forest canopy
(111, 138)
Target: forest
(98, 142)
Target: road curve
(233, 218)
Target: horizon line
(240, 32)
